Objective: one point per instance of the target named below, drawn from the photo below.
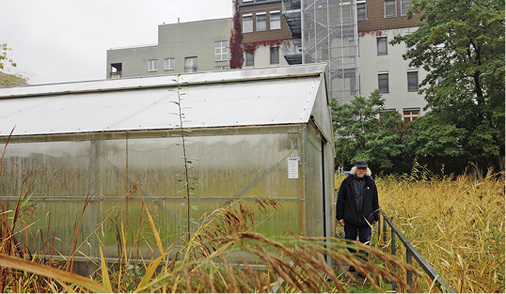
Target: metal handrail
(411, 252)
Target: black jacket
(346, 207)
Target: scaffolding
(330, 35)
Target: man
(357, 203)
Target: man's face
(361, 171)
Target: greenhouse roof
(268, 96)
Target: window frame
(359, 3)
(221, 50)
(388, 4)
(249, 58)
(380, 41)
(261, 22)
(412, 87)
(193, 67)
(274, 55)
(405, 5)
(152, 65)
(381, 78)
(410, 114)
(168, 65)
(275, 23)
(247, 23)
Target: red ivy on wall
(236, 52)
(253, 46)
(378, 33)
(237, 48)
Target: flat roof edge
(146, 82)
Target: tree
(8, 80)
(460, 43)
(361, 134)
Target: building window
(361, 10)
(152, 64)
(346, 10)
(116, 70)
(190, 64)
(412, 81)
(390, 8)
(250, 59)
(388, 113)
(405, 5)
(275, 20)
(247, 23)
(169, 63)
(383, 82)
(382, 45)
(220, 68)
(274, 55)
(220, 50)
(410, 114)
(261, 21)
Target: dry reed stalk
(297, 264)
(456, 223)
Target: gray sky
(66, 40)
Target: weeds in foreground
(455, 222)
(224, 255)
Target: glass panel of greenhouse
(117, 146)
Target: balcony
(292, 14)
(292, 51)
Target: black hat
(361, 163)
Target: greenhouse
(119, 143)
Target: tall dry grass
(225, 255)
(456, 223)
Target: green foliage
(3, 56)
(496, 245)
(361, 134)
(460, 43)
(8, 80)
(133, 277)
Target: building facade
(351, 36)
(268, 40)
(381, 65)
(182, 48)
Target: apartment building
(381, 65)
(268, 40)
(182, 47)
(351, 36)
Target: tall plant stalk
(186, 174)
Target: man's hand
(341, 222)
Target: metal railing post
(394, 252)
(384, 228)
(409, 275)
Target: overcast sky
(66, 40)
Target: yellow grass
(457, 224)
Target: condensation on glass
(257, 132)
